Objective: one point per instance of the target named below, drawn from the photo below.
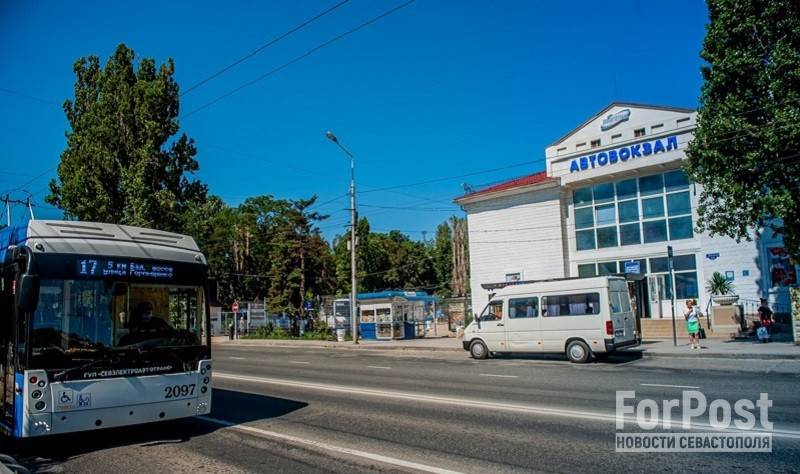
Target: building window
(606, 268)
(585, 239)
(594, 143)
(639, 132)
(654, 208)
(587, 270)
(685, 268)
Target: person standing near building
(692, 324)
(765, 317)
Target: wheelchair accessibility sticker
(69, 400)
(65, 400)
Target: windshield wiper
(59, 377)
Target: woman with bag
(692, 324)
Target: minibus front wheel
(578, 351)
(478, 349)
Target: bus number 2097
(179, 391)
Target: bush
(321, 333)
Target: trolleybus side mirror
(28, 293)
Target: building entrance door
(655, 289)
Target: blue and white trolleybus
(101, 325)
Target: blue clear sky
(449, 91)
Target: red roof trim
(536, 178)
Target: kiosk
(394, 314)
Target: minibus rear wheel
(478, 350)
(578, 351)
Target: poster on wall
(512, 278)
(781, 268)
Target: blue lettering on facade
(623, 154)
(672, 143)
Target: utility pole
(353, 240)
(672, 295)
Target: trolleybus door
(8, 312)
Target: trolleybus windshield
(101, 319)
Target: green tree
(269, 248)
(384, 262)
(442, 257)
(299, 256)
(744, 152)
(122, 163)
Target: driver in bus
(144, 321)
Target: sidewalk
(782, 346)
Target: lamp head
(331, 137)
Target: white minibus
(580, 317)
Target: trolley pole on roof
(353, 221)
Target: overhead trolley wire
(307, 22)
(302, 56)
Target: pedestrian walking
(692, 324)
(765, 317)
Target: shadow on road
(45, 454)
(241, 407)
(622, 357)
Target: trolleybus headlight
(34, 379)
(203, 371)
(203, 389)
(206, 379)
(42, 383)
(40, 405)
(36, 394)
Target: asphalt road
(320, 410)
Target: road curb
(711, 355)
(372, 347)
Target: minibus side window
(523, 308)
(571, 305)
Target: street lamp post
(353, 219)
